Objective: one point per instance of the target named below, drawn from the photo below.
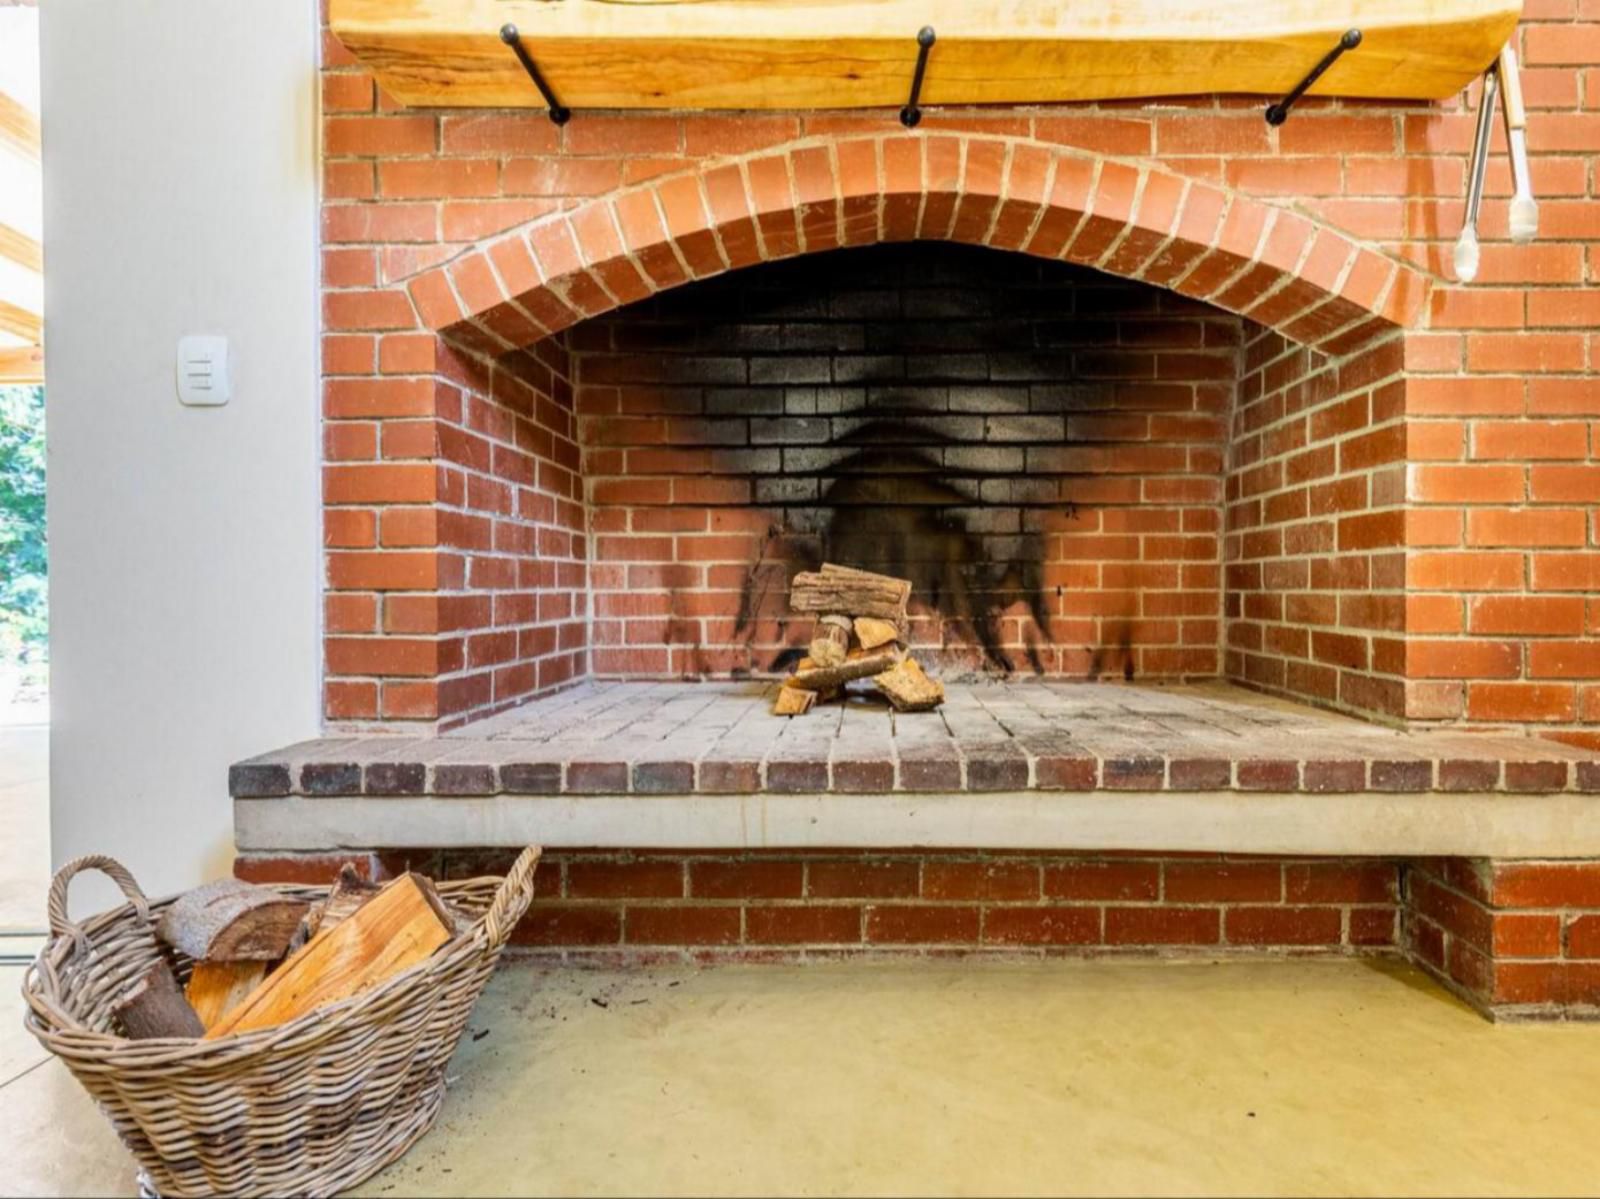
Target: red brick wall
(1503, 530)
(455, 525)
(1315, 545)
(592, 906)
(1037, 446)
(1347, 208)
(1517, 938)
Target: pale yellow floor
(1279, 1077)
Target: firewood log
(396, 929)
(793, 701)
(232, 921)
(856, 592)
(349, 892)
(855, 572)
(155, 1007)
(872, 632)
(216, 988)
(863, 665)
(832, 640)
(909, 689)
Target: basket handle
(510, 901)
(60, 925)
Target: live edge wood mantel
(775, 54)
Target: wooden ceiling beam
(24, 365)
(21, 249)
(19, 128)
(19, 322)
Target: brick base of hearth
(1516, 939)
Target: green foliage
(23, 556)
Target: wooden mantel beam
(730, 54)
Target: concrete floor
(24, 820)
(1296, 1077)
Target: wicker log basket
(310, 1107)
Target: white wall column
(180, 160)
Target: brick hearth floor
(719, 738)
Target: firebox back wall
(1039, 447)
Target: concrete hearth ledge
(1024, 765)
(1510, 826)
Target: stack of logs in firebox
(259, 957)
(860, 633)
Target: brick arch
(1276, 267)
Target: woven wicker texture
(309, 1107)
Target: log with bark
(231, 921)
(396, 929)
(155, 1007)
(842, 589)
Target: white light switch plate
(203, 370)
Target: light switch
(203, 370)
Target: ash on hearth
(860, 633)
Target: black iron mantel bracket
(559, 114)
(910, 115)
(1278, 113)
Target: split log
(793, 701)
(909, 689)
(216, 988)
(832, 640)
(348, 893)
(872, 632)
(861, 666)
(231, 921)
(398, 928)
(155, 1007)
(857, 592)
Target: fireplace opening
(1038, 446)
(1085, 477)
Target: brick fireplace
(1090, 473)
(1155, 399)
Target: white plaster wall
(180, 196)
